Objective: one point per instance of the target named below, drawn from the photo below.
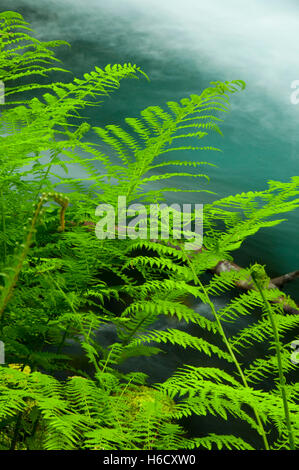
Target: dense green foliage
(60, 282)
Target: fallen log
(281, 280)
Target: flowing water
(182, 46)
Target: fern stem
(281, 376)
(229, 348)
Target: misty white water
(182, 47)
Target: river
(182, 46)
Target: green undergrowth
(60, 283)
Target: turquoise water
(182, 48)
